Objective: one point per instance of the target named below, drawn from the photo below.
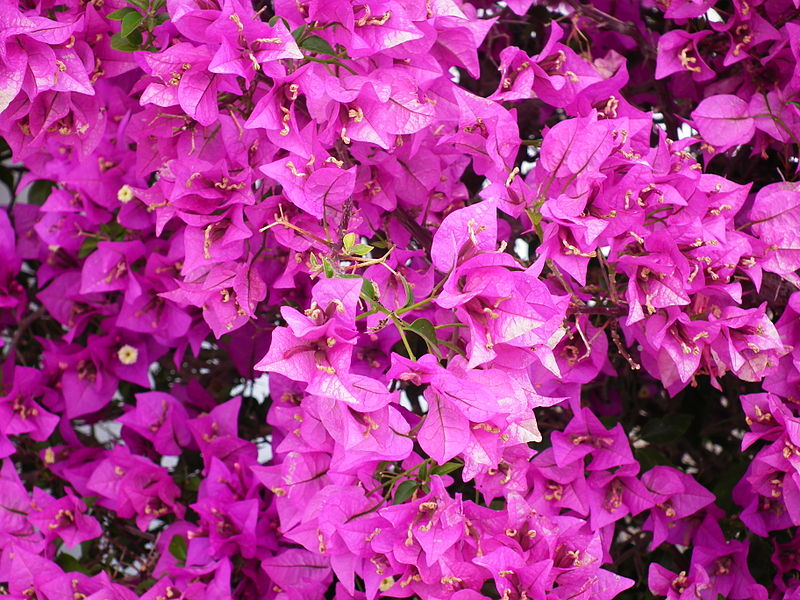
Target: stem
(612, 23)
(301, 231)
(610, 277)
(373, 311)
(399, 324)
(607, 311)
(423, 237)
(395, 476)
(452, 347)
(414, 306)
(366, 512)
(23, 326)
(618, 343)
(567, 288)
(449, 325)
(331, 61)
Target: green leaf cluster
(137, 23)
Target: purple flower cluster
(436, 299)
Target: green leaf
(7, 177)
(192, 484)
(489, 589)
(498, 504)
(405, 490)
(425, 329)
(122, 44)
(40, 190)
(759, 548)
(536, 220)
(274, 21)
(130, 23)
(70, 563)
(368, 291)
(348, 240)
(143, 4)
(297, 33)
(609, 421)
(649, 457)
(88, 246)
(328, 268)
(114, 231)
(423, 472)
(725, 481)
(161, 18)
(409, 291)
(666, 429)
(118, 15)
(145, 585)
(360, 249)
(177, 547)
(446, 468)
(314, 43)
(136, 38)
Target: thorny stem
(606, 311)
(621, 348)
(282, 220)
(562, 280)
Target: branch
(606, 311)
(23, 326)
(422, 236)
(612, 23)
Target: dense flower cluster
(422, 225)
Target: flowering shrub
(400, 299)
